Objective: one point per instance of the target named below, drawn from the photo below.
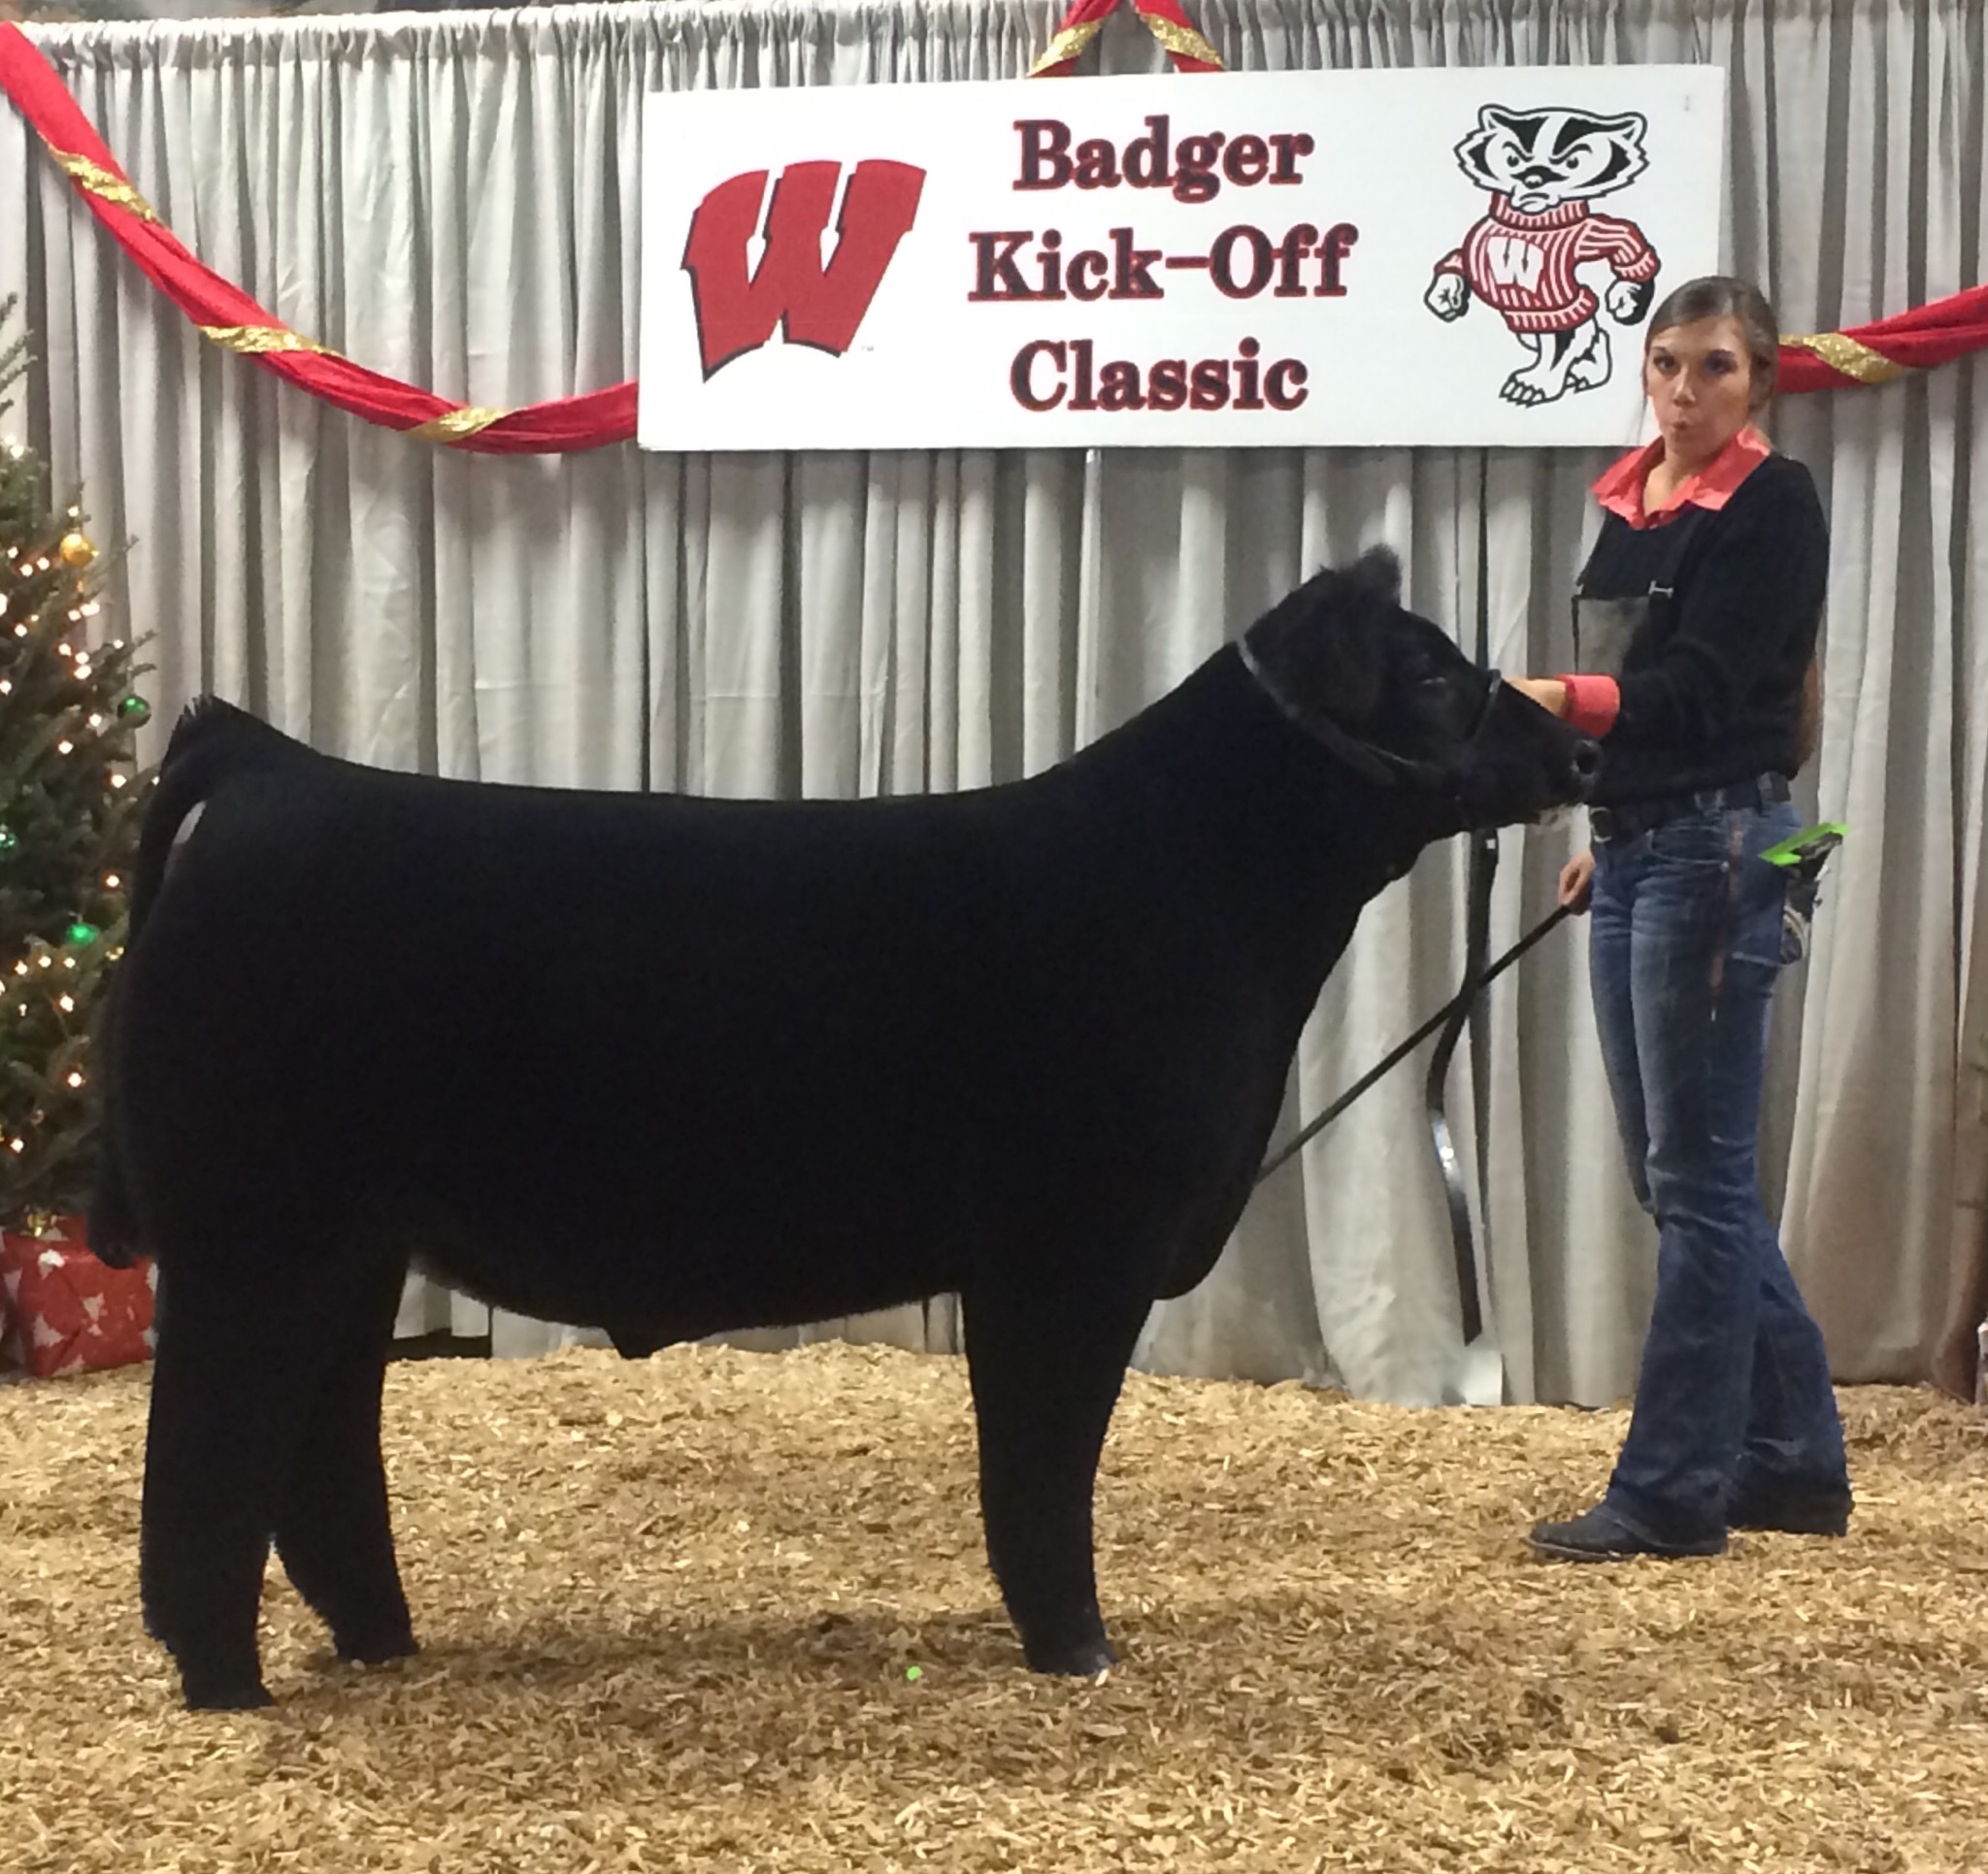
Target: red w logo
(820, 306)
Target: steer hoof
(226, 1694)
(1072, 1658)
(375, 1648)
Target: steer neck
(1287, 819)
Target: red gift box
(64, 1312)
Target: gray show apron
(1603, 628)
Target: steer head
(1392, 697)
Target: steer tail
(211, 743)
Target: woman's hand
(1548, 692)
(1577, 883)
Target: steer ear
(1321, 649)
(1379, 573)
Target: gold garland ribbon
(263, 341)
(100, 182)
(1065, 46)
(266, 340)
(1850, 356)
(451, 426)
(1183, 41)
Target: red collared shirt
(1593, 702)
(1620, 490)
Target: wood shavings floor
(728, 1610)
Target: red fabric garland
(1929, 335)
(1164, 19)
(229, 315)
(1865, 354)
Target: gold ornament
(76, 549)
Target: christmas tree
(69, 803)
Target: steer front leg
(1046, 1366)
(333, 1532)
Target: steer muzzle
(1523, 762)
(1583, 764)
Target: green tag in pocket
(1810, 847)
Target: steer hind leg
(1046, 1366)
(332, 1531)
(240, 1346)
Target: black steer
(674, 1067)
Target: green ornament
(135, 711)
(80, 933)
(8, 838)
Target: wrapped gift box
(65, 1312)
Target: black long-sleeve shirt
(1711, 681)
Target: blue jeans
(1734, 1393)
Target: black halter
(1381, 767)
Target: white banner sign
(1456, 256)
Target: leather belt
(1632, 817)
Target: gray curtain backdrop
(456, 199)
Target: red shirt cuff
(1593, 703)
